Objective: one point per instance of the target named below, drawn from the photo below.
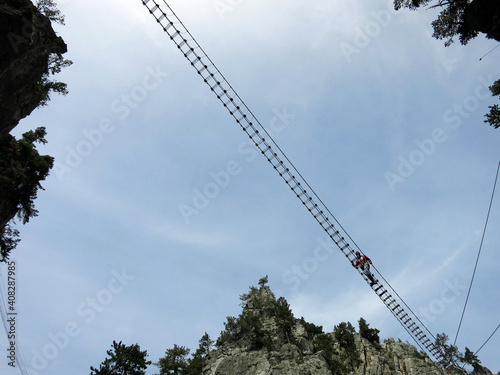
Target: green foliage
(419, 355)
(311, 329)
(245, 297)
(49, 9)
(251, 328)
(371, 334)
(129, 360)
(470, 358)
(248, 326)
(452, 21)
(206, 344)
(493, 118)
(227, 335)
(9, 238)
(174, 362)
(55, 61)
(22, 169)
(459, 17)
(466, 19)
(263, 281)
(344, 334)
(450, 353)
(195, 365)
(284, 317)
(46, 86)
(325, 344)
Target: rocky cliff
(27, 39)
(30, 52)
(267, 340)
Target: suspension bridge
(248, 122)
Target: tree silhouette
(123, 360)
(22, 169)
(174, 361)
(466, 19)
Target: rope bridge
(244, 117)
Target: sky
(158, 213)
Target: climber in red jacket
(364, 262)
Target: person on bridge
(364, 262)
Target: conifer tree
(371, 334)
(197, 362)
(284, 317)
(22, 169)
(174, 362)
(493, 118)
(344, 334)
(123, 360)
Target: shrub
(371, 334)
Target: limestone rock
(303, 352)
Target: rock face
(30, 52)
(300, 352)
(26, 41)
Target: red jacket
(364, 259)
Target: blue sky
(159, 214)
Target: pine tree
(450, 354)
(174, 362)
(371, 334)
(197, 362)
(493, 118)
(22, 169)
(344, 333)
(123, 360)
(49, 9)
(263, 281)
(312, 329)
(284, 317)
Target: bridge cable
(478, 255)
(498, 45)
(488, 339)
(275, 156)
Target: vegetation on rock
(123, 360)
(267, 339)
(31, 53)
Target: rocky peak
(258, 298)
(266, 339)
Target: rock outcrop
(30, 52)
(27, 39)
(267, 340)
